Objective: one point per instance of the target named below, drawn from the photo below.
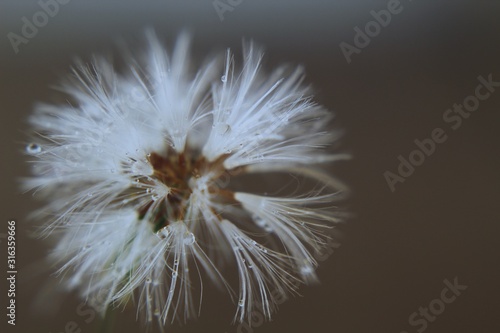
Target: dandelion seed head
(138, 170)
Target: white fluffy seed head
(137, 170)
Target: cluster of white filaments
(136, 168)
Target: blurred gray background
(441, 223)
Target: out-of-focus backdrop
(390, 84)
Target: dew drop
(223, 78)
(189, 239)
(33, 148)
(148, 280)
(222, 128)
(241, 302)
(262, 223)
(162, 234)
(141, 168)
(174, 274)
(306, 270)
(155, 197)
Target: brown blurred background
(441, 223)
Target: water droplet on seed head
(189, 239)
(33, 148)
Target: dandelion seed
(137, 173)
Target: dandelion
(135, 169)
